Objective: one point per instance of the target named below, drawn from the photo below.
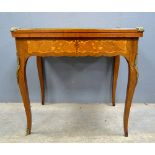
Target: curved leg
(132, 81)
(41, 77)
(115, 76)
(22, 81)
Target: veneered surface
(69, 32)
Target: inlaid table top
(76, 32)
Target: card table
(43, 42)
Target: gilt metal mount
(14, 29)
(28, 131)
(17, 70)
(141, 29)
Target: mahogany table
(75, 43)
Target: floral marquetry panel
(101, 47)
(52, 47)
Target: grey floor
(77, 123)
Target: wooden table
(76, 43)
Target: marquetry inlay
(77, 47)
(54, 47)
(101, 47)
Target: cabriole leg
(115, 76)
(22, 81)
(132, 81)
(39, 62)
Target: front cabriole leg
(132, 81)
(22, 81)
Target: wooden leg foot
(126, 134)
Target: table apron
(78, 47)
